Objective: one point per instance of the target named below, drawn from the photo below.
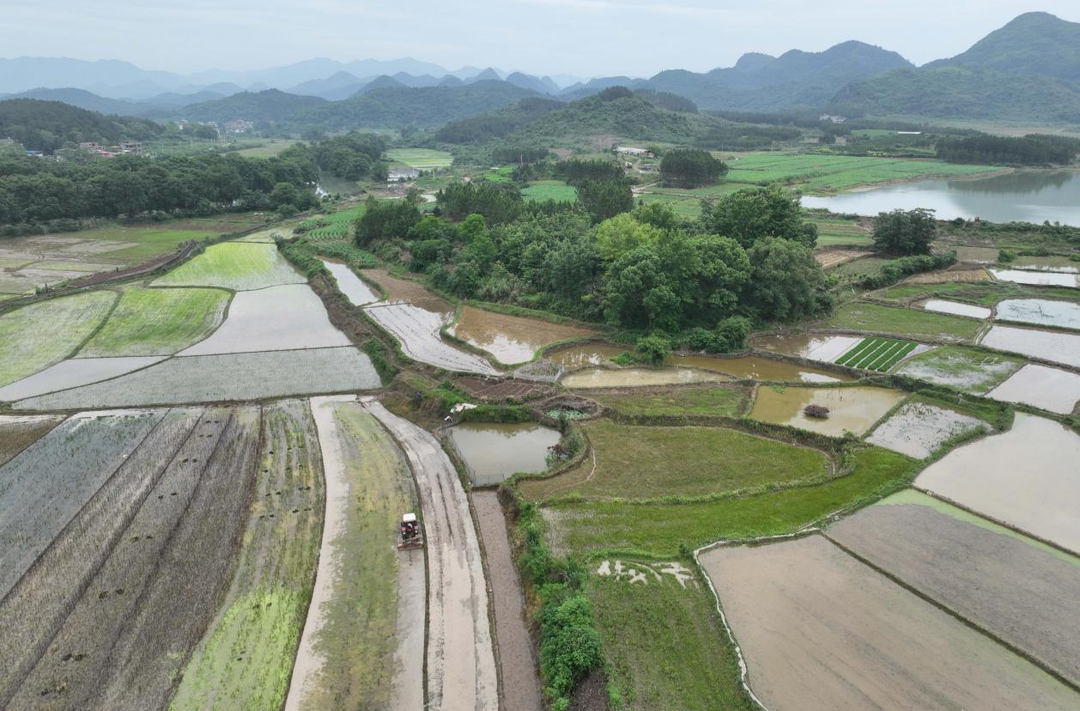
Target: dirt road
(460, 658)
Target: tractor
(409, 535)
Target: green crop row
(877, 354)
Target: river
(1023, 196)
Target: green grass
(715, 401)
(158, 322)
(983, 293)
(265, 148)
(245, 660)
(328, 228)
(664, 645)
(44, 333)
(652, 462)
(660, 529)
(878, 354)
(234, 265)
(969, 370)
(421, 158)
(550, 190)
(835, 231)
(863, 316)
(859, 267)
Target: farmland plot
(44, 333)
(877, 354)
(1061, 348)
(511, 339)
(956, 308)
(245, 658)
(1026, 478)
(149, 322)
(354, 288)
(853, 409)
(45, 486)
(820, 348)
(1019, 590)
(123, 642)
(912, 323)
(239, 266)
(358, 650)
(1018, 276)
(1041, 312)
(822, 631)
(966, 369)
(639, 377)
(34, 611)
(222, 378)
(417, 330)
(17, 432)
(1049, 388)
(409, 292)
(917, 429)
(72, 373)
(276, 318)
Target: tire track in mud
(461, 672)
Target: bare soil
(503, 390)
(17, 432)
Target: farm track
(461, 671)
(129, 633)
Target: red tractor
(409, 535)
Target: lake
(1020, 197)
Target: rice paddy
(149, 322)
(911, 323)
(421, 158)
(239, 266)
(877, 354)
(967, 369)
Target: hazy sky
(584, 37)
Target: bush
(905, 231)
(735, 330)
(570, 645)
(897, 269)
(376, 351)
(653, 349)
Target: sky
(578, 37)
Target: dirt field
(460, 659)
(835, 257)
(955, 275)
(517, 664)
(17, 432)
(408, 292)
(1011, 586)
(822, 631)
(502, 390)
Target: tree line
(1032, 149)
(48, 126)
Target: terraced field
(149, 322)
(239, 266)
(878, 354)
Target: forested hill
(271, 105)
(1027, 70)
(48, 125)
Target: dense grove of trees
(687, 168)
(1006, 150)
(352, 156)
(641, 269)
(905, 232)
(51, 125)
(34, 190)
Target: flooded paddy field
(1061, 348)
(17, 432)
(811, 346)
(355, 289)
(1041, 312)
(1026, 478)
(917, 429)
(638, 377)
(586, 355)
(967, 369)
(757, 368)
(417, 330)
(821, 631)
(957, 308)
(276, 318)
(511, 339)
(492, 452)
(1016, 588)
(240, 266)
(1064, 265)
(407, 291)
(1049, 388)
(851, 409)
(1018, 276)
(73, 373)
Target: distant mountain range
(1029, 70)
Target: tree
(653, 349)
(786, 283)
(691, 168)
(388, 219)
(905, 232)
(605, 198)
(752, 215)
(621, 234)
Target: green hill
(271, 105)
(49, 125)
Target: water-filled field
(1041, 312)
(354, 288)
(234, 265)
(956, 308)
(511, 339)
(494, 451)
(417, 330)
(1061, 348)
(1018, 276)
(966, 369)
(917, 429)
(637, 377)
(811, 346)
(1049, 388)
(851, 409)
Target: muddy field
(17, 432)
(828, 258)
(638, 377)
(115, 634)
(404, 291)
(585, 356)
(461, 670)
(822, 631)
(511, 339)
(917, 429)
(1061, 348)
(1049, 388)
(417, 330)
(965, 276)
(520, 688)
(756, 368)
(1015, 588)
(1026, 478)
(503, 390)
(853, 409)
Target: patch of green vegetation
(263, 148)
(711, 401)
(42, 334)
(234, 265)
(638, 462)
(982, 293)
(878, 354)
(863, 316)
(969, 370)
(859, 267)
(158, 322)
(420, 158)
(664, 646)
(837, 231)
(543, 190)
(664, 529)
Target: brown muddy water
(808, 345)
(1047, 264)
(1042, 312)
(511, 339)
(638, 377)
(494, 451)
(586, 356)
(405, 291)
(853, 409)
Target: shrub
(653, 349)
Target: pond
(1024, 196)
(511, 339)
(492, 452)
